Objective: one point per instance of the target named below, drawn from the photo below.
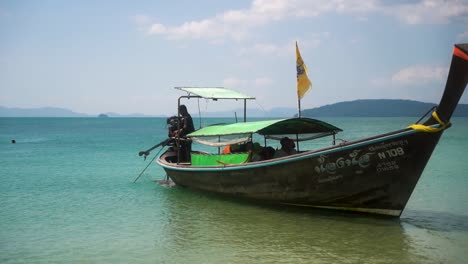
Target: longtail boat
(373, 175)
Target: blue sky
(126, 56)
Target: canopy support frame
(177, 138)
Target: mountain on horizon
(378, 108)
(38, 112)
(357, 108)
(55, 112)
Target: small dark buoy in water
(13, 141)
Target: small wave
(166, 183)
(437, 221)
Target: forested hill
(378, 108)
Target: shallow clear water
(67, 196)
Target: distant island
(378, 108)
(357, 108)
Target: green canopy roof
(214, 93)
(268, 127)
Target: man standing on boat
(186, 127)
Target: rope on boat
(141, 173)
(429, 129)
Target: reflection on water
(207, 228)
(202, 229)
(440, 236)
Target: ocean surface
(67, 196)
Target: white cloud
(419, 74)
(238, 24)
(268, 49)
(288, 49)
(158, 29)
(413, 75)
(262, 81)
(429, 11)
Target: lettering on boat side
(387, 166)
(330, 178)
(353, 159)
(386, 151)
(385, 146)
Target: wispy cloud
(229, 25)
(420, 74)
(413, 75)
(238, 24)
(429, 11)
(142, 21)
(268, 49)
(262, 81)
(286, 49)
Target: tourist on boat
(172, 126)
(255, 151)
(287, 148)
(267, 153)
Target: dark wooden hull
(375, 175)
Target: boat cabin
(234, 142)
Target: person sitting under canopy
(287, 148)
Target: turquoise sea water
(67, 196)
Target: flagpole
(299, 106)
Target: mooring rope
(148, 165)
(429, 129)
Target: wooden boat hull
(375, 175)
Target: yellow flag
(303, 82)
